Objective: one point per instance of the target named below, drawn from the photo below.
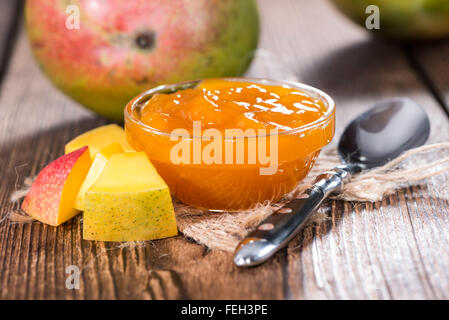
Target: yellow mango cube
(95, 171)
(99, 138)
(129, 202)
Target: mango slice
(95, 171)
(99, 138)
(128, 202)
(52, 195)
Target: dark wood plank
(9, 20)
(392, 249)
(431, 63)
(383, 251)
(430, 60)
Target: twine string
(223, 231)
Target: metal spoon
(372, 139)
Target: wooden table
(391, 250)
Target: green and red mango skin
(43, 199)
(100, 64)
(402, 19)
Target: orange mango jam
(229, 104)
(230, 144)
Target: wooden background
(397, 249)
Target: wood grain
(390, 250)
(9, 13)
(431, 61)
(365, 251)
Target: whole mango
(402, 19)
(102, 53)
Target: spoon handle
(278, 229)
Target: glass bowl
(230, 184)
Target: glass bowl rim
(294, 84)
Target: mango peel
(52, 195)
(402, 19)
(129, 202)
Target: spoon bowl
(384, 132)
(372, 139)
